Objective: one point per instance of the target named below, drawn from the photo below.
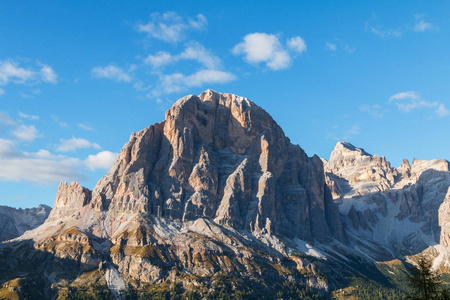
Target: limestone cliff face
(69, 199)
(220, 156)
(363, 172)
(215, 187)
(14, 222)
(405, 209)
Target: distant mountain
(14, 222)
(390, 212)
(215, 202)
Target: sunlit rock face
(222, 157)
(405, 209)
(215, 187)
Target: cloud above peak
(193, 51)
(171, 27)
(407, 101)
(260, 47)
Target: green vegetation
(91, 292)
(424, 283)
(368, 291)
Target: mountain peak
(346, 146)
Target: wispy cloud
(442, 111)
(111, 72)
(160, 59)
(193, 51)
(41, 167)
(12, 72)
(266, 48)
(16, 130)
(25, 133)
(344, 134)
(85, 126)
(178, 82)
(60, 123)
(407, 101)
(419, 25)
(337, 44)
(375, 110)
(171, 27)
(6, 120)
(29, 117)
(48, 75)
(73, 144)
(297, 44)
(330, 46)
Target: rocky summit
(215, 201)
(400, 211)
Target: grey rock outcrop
(14, 222)
(404, 210)
(69, 199)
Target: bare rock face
(405, 210)
(363, 172)
(69, 199)
(220, 156)
(216, 186)
(14, 222)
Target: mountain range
(215, 200)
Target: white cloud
(59, 122)
(171, 27)
(263, 47)
(330, 46)
(102, 160)
(10, 71)
(384, 33)
(73, 144)
(179, 82)
(111, 72)
(442, 111)
(297, 44)
(373, 110)
(25, 133)
(160, 59)
(41, 167)
(196, 51)
(405, 95)
(48, 75)
(337, 44)
(85, 126)
(421, 26)
(30, 117)
(407, 101)
(7, 120)
(193, 51)
(266, 48)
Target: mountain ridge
(217, 188)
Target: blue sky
(77, 78)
